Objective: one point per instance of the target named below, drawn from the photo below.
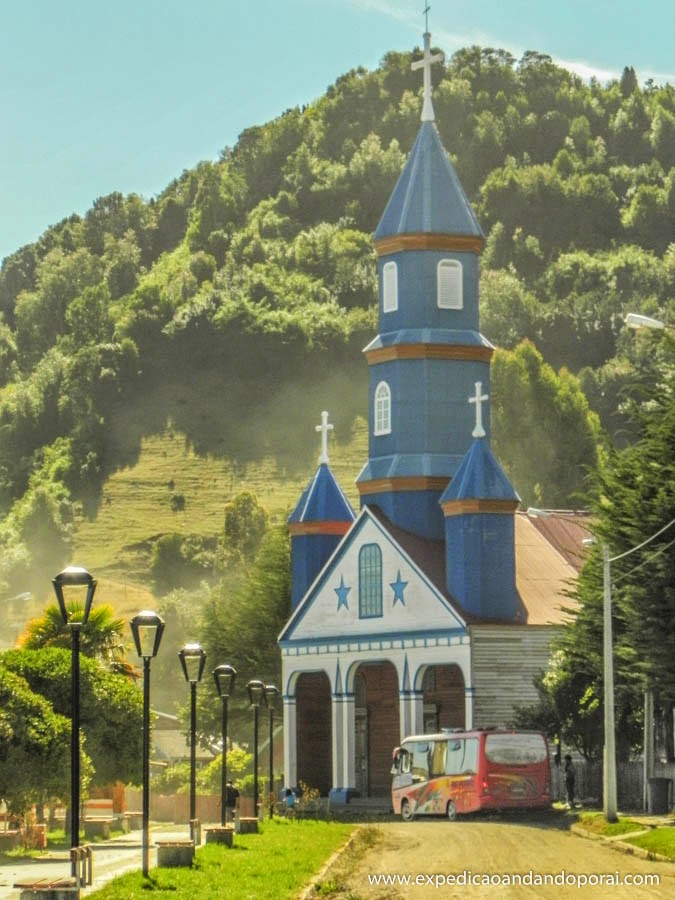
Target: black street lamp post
(271, 694)
(147, 628)
(224, 676)
(68, 586)
(256, 695)
(193, 660)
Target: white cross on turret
(479, 398)
(324, 428)
(425, 63)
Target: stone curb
(619, 844)
(310, 890)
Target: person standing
(231, 801)
(570, 777)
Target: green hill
(158, 356)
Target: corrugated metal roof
(543, 572)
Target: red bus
(455, 772)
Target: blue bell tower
(428, 354)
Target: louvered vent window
(390, 287)
(450, 284)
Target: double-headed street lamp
(70, 586)
(224, 676)
(147, 628)
(271, 694)
(193, 659)
(256, 696)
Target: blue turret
(479, 507)
(318, 522)
(428, 353)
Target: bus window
(515, 749)
(437, 765)
(462, 758)
(418, 753)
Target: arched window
(382, 410)
(370, 581)
(390, 287)
(449, 287)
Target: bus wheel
(407, 813)
(451, 811)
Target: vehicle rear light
(486, 789)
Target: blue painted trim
(403, 637)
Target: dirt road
(481, 853)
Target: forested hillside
(233, 307)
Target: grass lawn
(598, 824)
(271, 865)
(658, 840)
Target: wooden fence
(629, 783)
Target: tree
(245, 526)
(111, 708)
(34, 746)
(241, 622)
(543, 430)
(633, 507)
(102, 638)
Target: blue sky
(97, 97)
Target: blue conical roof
(428, 196)
(479, 477)
(322, 500)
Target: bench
(246, 825)
(98, 818)
(48, 889)
(175, 853)
(82, 860)
(220, 834)
(134, 819)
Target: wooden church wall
(382, 709)
(313, 708)
(505, 662)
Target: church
(434, 606)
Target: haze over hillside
(184, 347)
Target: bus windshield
(515, 749)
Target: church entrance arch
(313, 738)
(443, 698)
(377, 729)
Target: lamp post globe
(147, 629)
(193, 659)
(271, 694)
(74, 588)
(224, 676)
(256, 696)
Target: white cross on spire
(425, 63)
(324, 428)
(479, 398)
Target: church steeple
(317, 524)
(428, 353)
(479, 506)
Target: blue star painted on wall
(342, 592)
(398, 587)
